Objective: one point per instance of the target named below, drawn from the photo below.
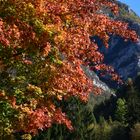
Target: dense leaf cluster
(43, 44)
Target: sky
(134, 5)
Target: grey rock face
(107, 92)
(96, 81)
(124, 56)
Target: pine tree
(121, 111)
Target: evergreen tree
(121, 111)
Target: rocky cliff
(123, 56)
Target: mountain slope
(123, 55)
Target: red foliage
(55, 33)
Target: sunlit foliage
(43, 44)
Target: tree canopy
(43, 44)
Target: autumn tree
(43, 44)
